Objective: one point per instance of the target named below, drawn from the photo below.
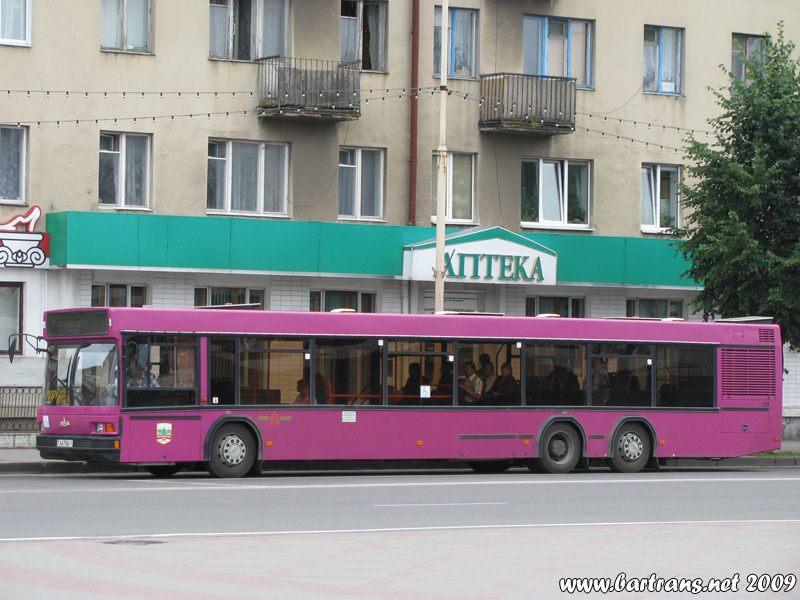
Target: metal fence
(535, 102)
(309, 85)
(18, 408)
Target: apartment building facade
(283, 153)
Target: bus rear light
(116, 444)
(104, 428)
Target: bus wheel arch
(631, 446)
(560, 447)
(233, 448)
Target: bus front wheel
(561, 449)
(631, 449)
(233, 452)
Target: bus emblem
(64, 422)
(164, 433)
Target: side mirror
(12, 349)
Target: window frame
(473, 40)
(576, 305)
(20, 313)
(359, 184)
(256, 30)
(361, 26)
(582, 83)
(655, 201)
(123, 32)
(260, 175)
(661, 86)
(449, 185)
(633, 307)
(563, 176)
(22, 150)
(364, 300)
(744, 52)
(202, 293)
(28, 17)
(121, 199)
(106, 294)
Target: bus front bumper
(88, 448)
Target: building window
(10, 313)
(363, 33)
(462, 26)
(555, 192)
(360, 183)
(15, 22)
(119, 294)
(460, 186)
(247, 177)
(221, 296)
(647, 308)
(745, 47)
(662, 60)
(554, 305)
(328, 300)
(558, 48)
(125, 25)
(12, 165)
(247, 29)
(660, 197)
(124, 170)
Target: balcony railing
(310, 88)
(532, 104)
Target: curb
(77, 467)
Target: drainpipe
(414, 122)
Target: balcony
(310, 89)
(527, 104)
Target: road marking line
(441, 504)
(158, 536)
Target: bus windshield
(82, 374)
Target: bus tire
(167, 470)
(631, 450)
(490, 466)
(232, 452)
(561, 449)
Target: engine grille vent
(748, 372)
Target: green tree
(742, 236)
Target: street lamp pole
(441, 187)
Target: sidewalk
(27, 460)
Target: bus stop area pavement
(27, 460)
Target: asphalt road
(435, 535)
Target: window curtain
(347, 182)
(12, 19)
(135, 170)
(370, 183)
(11, 162)
(244, 179)
(532, 46)
(648, 211)
(274, 178)
(372, 52)
(111, 24)
(670, 60)
(138, 21)
(218, 29)
(272, 28)
(463, 43)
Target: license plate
(64, 443)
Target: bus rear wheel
(560, 449)
(233, 452)
(631, 449)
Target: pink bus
(234, 390)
